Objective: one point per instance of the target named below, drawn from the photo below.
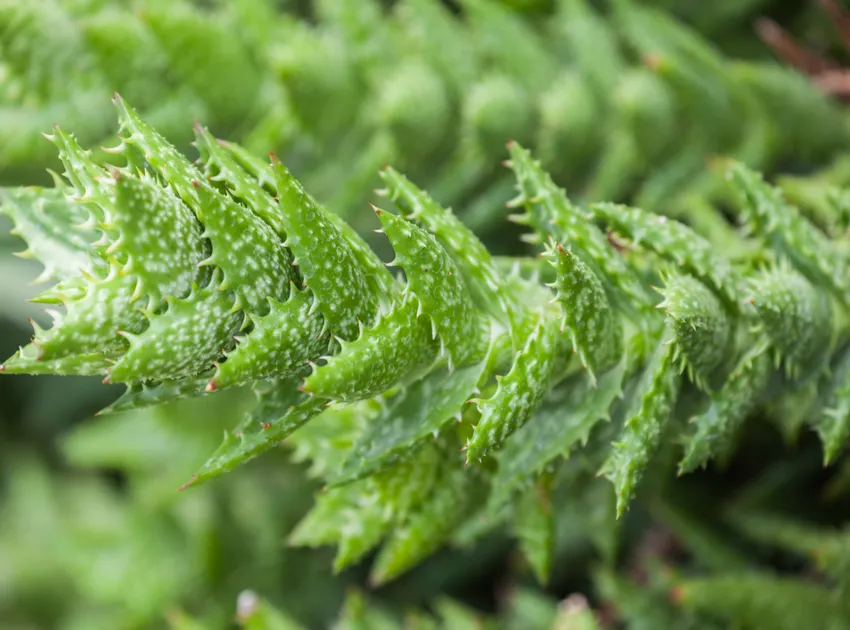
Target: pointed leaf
(642, 432)
(550, 213)
(456, 495)
(519, 393)
(399, 343)
(184, 340)
(730, 406)
(326, 260)
(416, 414)
(797, 317)
(143, 394)
(589, 320)
(52, 228)
(434, 278)
(158, 238)
(278, 344)
(780, 224)
(281, 409)
(562, 423)
(703, 329)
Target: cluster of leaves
(458, 397)
(618, 104)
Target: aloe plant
(429, 402)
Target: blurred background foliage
(623, 100)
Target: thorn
(191, 481)
(106, 380)
(211, 387)
(266, 426)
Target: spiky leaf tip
(158, 239)
(642, 432)
(221, 167)
(254, 263)
(589, 320)
(519, 392)
(562, 424)
(148, 393)
(184, 340)
(93, 315)
(277, 344)
(173, 166)
(551, 214)
(325, 259)
(470, 255)
(703, 328)
(796, 316)
(356, 517)
(434, 279)
(53, 229)
(456, 495)
(399, 343)
(81, 171)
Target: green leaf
(159, 241)
(833, 424)
(326, 259)
(185, 339)
(551, 214)
(642, 432)
(255, 265)
(399, 343)
(92, 317)
(327, 440)
(416, 414)
(564, 421)
(703, 329)
(26, 361)
(277, 344)
(146, 394)
(677, 243)
(593, 327)
(781, 225)
(730, 406)
(220, 166)
(359, 515)
(481, 275)
(281, 409)
(534, 527)
(797, 317)
(457, 493)
(53, 229)
(434, 279)
(519, 393)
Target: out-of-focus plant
(624, 103)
